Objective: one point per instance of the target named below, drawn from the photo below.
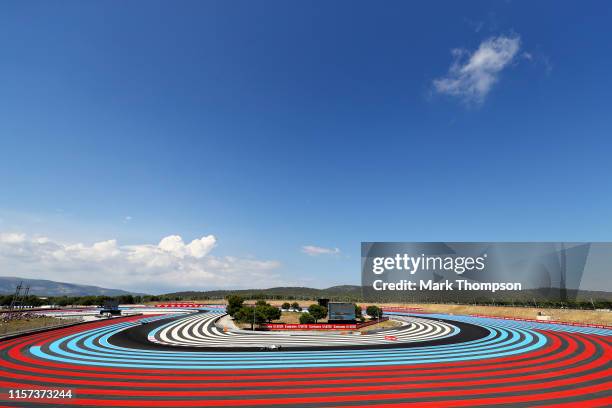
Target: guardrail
(189, 305)
(403, 309)
(520, 319)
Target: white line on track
(199, 330)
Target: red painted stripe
(592, 403)
(275, 371)
(477, 365)
(415, 367)
(406, 397)
(544, 364)
(546, 374)
(382, 377)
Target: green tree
(62, 301)
(250, 314)
(261, 313)
(307, 318)
(374, 312)
(125, 299)
(296, 306)
(243, 314)
(234, 304)
(246, 314)
(317, 311)
(33, 300)
(286, 306)
(87, 300)
(268, 311)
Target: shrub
(374, 312)
(268, 311)
(358, 312)
(317, 311)
(307, 318)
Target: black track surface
(137, 338)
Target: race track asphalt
(489, 362)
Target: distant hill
(42, 287)
(343, 292)
(353, 293)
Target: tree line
(36, 301)
(263, 312)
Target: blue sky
(278, 125)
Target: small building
(323, 302)
(111, 308)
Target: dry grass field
(17, 325)
(293, 318)
(387, 324)
(563, 315)
(286, 318)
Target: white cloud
(313, 250)
(472, 75)
(12, 237)
(167, 266)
